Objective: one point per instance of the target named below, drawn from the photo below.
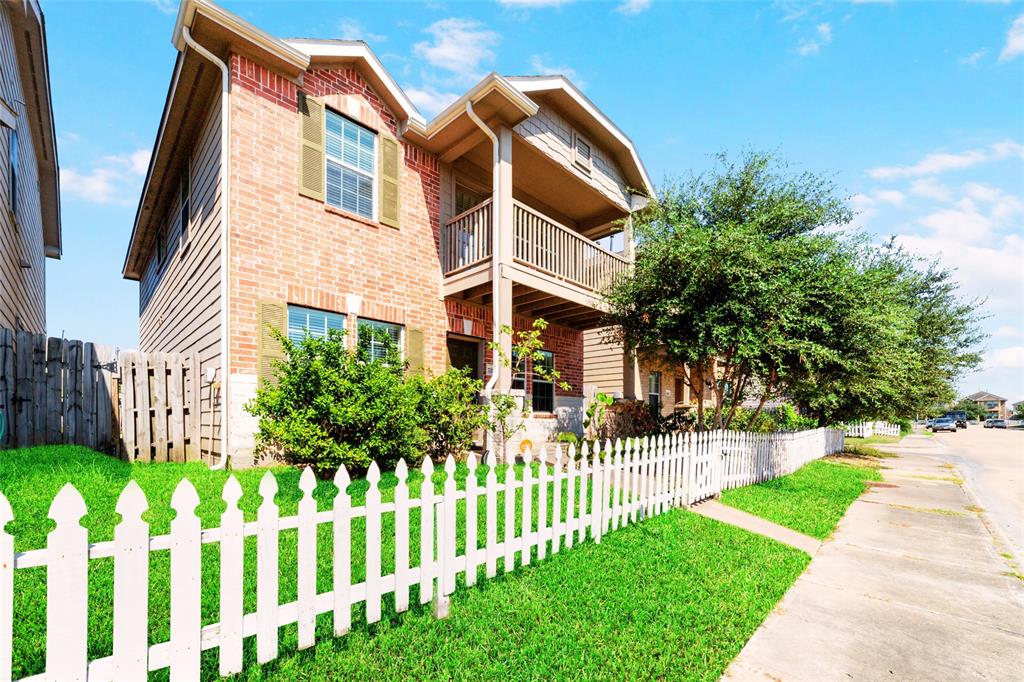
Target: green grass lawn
(675, 597)
(874, 440)
(811, 500)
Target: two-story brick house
(294, 185)
(30, 229)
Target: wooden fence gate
(139, 406)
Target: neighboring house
(347, 210)
(606, 368)
(994, 405)
(30, 215)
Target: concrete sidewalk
(913, 586)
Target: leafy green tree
(723, 267)
(973, 409)
(744, 283)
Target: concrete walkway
(913, 586)
(713, 509)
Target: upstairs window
(375, 336)
(582, 152)
(161, 244)
(12, 171)
(315, 323)
(351, 165)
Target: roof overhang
(494, 100)
(34, 69)
(333, 53)
(567, 98)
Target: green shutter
(270, 315)
(311, 148)
(389, 172)
(414, 350)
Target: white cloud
(539, 67)
(350, 29)
(931, 189)
(460, 46)
(430, 101)
(890, 196)
(1011, 357)
(973, 58)
(1007, 331)
(115, 179)
(165, 6)
(964, 222)
(941, 162)
(812, 46)
(631, 7)
(864, 207)
(1003, 207)
(1014, 40)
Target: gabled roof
(984, 395)
(569, 98)
(34, 68)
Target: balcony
(539, 243)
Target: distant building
(994, 405)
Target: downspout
(495, 242)
(225, 215)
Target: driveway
(992, 462)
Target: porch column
(628, 247)
(506, 245)
(632, 382)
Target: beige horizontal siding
(22, 289)
(179, 299)
(602, 362)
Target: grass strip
(812, 500)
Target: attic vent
(582, 152)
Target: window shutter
(414, 350)
(271, 315)
(311, 149)
(389, 171)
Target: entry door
(465, 353)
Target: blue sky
(916, 108)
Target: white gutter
(495, 242)
(225, 215)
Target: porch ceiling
(543, 183)
(531, 302)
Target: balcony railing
(539, 242)
(562, 253)
(466, 239)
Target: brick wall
(291, 248)
(567, 344)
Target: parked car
(944, 424)
(995, 424)
(959, 417)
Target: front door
(464, 353)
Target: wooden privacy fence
(141, 406)
(56, 391)
(159, 408)
(541, 511)
(868, 429)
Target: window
(654, 392)
(161, 243)
(12, 138)
(185, 215)
(518, 378)
(351, 165)
(582, 152)
(543, 389)
(302, 321)
(466, 199)
(374, 336)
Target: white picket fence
(868, 429)
(558, 505)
